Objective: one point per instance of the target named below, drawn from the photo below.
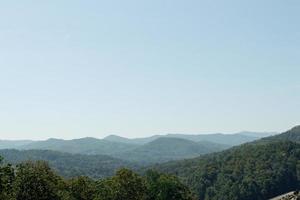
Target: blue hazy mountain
(227, 139)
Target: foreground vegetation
(37, 181)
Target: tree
(82, 188)
(124, 185)
(128, 185)
(7, 177)
(166, 187)
(105, 190)
(36, 181)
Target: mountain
(116, 138)
(257, 134)
(70, 165)
(291, 135)
(165, 149)
(90, 146)
(257, 170)
(226, 139)
(13, 144)
(161, 149)
(137, 141)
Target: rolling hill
(13, 144)
(89, 146)
(160, 150)
(227, 139)
(148, 150)
(166, 148)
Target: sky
(135, 68)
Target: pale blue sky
(77, 68)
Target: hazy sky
(71, 68)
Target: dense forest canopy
(37, 181)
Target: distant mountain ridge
(88, 145)
(227, 139)
(166, 148)
(148, 150)
(10, 144)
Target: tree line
(35, 180)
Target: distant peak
(114, 137)
(87, 138)
(54, 139)
(296, 128)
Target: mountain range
(148, 150)
(241, 166)
(227, 139)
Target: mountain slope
(227, 139)
(166, 149)
(257, 134)
(70, 165)
(292, 135)
(247, 172)
(257, 170)
(90, 146)
(137, 141)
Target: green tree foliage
(125, 185)
(129, 185)
(106, 190)
(82, 188)
(161, 186)
(7, 178)
(36, 181)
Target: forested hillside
(246, 172)
(258, 170)
(292, 135)
(70, 165)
